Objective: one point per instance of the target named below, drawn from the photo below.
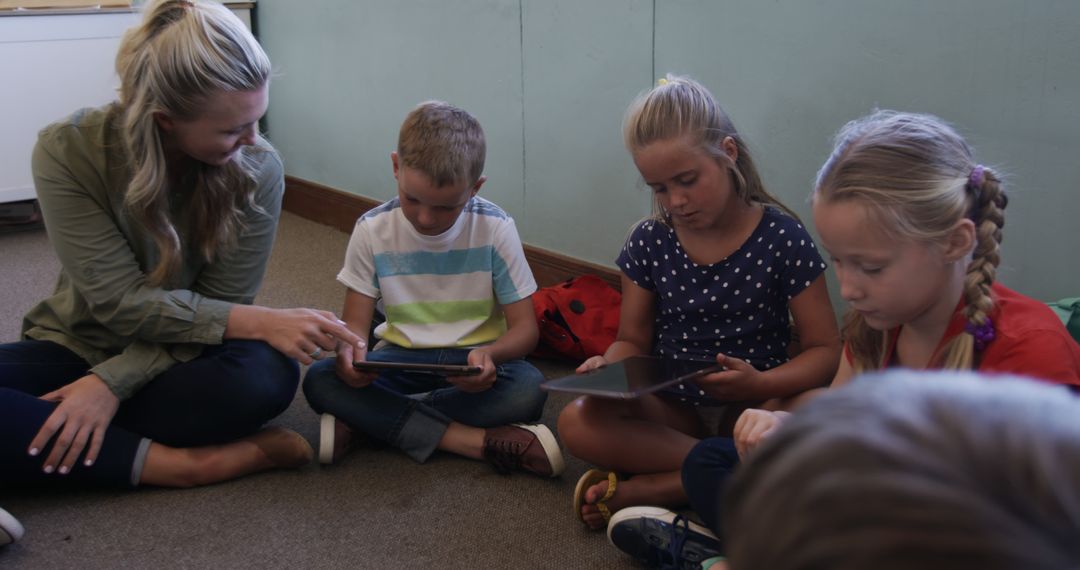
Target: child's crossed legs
(648, 437)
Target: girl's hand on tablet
(738, 382)
(592, 363)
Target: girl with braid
(913, 227)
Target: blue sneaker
(662, 539)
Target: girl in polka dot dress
(713, 275)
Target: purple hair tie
(975, 179)
(983, 333)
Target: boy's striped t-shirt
(444, 290)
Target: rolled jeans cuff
(422, 430)
(140, 461)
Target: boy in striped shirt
(448, 271)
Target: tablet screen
(633, 376)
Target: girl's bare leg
(650, 437)
(270, 448)
(646, 435)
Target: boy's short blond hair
(444, 142)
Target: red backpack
(578, 318)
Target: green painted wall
(550, 80)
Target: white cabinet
(50, 65)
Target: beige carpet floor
(376, 509)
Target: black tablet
(440, 369)
(633, 377)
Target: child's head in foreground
(439, 164)
(915, 470)
(905, 211)
(681, 118)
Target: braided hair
(918, 177)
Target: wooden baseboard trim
(323, 204)
(340, 210)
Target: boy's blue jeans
(411, 411)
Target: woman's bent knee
(264, 384)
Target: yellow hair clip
(661, 81)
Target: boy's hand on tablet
(346, 355)
(478, 382)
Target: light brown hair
(913, 173)
(679, 107)
(444, 142)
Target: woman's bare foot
(270, 448)
(283, 448)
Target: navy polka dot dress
(738, 306)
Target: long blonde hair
(918, 178)
(183, 52)
(680, 107)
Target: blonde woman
(149, 364)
